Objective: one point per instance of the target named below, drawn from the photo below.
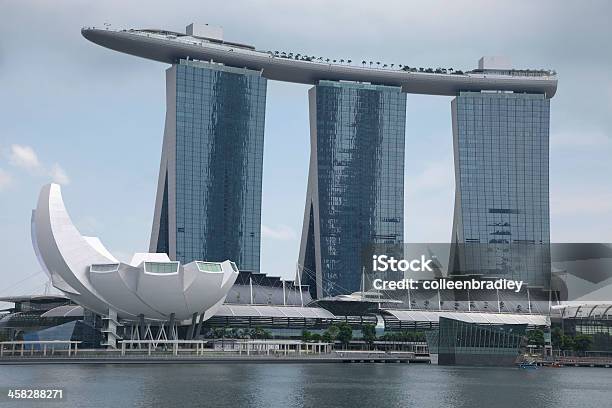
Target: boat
(528, 365)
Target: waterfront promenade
(20, 352)
(93, 357)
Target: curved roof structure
(170, 47)
(156, 288)
(585, 310)
(470, 317)
(273, 311)
(65, 311)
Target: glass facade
(209, 195)
(502, 217)
(463, 343)
(597, 328)
(356, 181)
(76, 330)
(209, 267)
(161, 267)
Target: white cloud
(58, 174)
(24, 157)
(281, 232)
(5, 179)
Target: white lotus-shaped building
(150, 287)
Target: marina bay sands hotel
(208, 202)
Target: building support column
(194, 318)
(199, 328)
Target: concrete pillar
(171, 328)
(194, 318)
(141, 328)
(199, 328)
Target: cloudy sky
(92, 119)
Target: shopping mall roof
(229, 310)
(576, 310)
(65, 311)
(29, 298)
(469, 317)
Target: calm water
(314, 385)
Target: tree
(582, 343)
(329, 335)
(306, 335)
(345, 334)
(369, 334)
(259, 333)
(555, 337)
(567, 342)
(536, 337)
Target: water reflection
(314, 385)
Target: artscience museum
(150, 287)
